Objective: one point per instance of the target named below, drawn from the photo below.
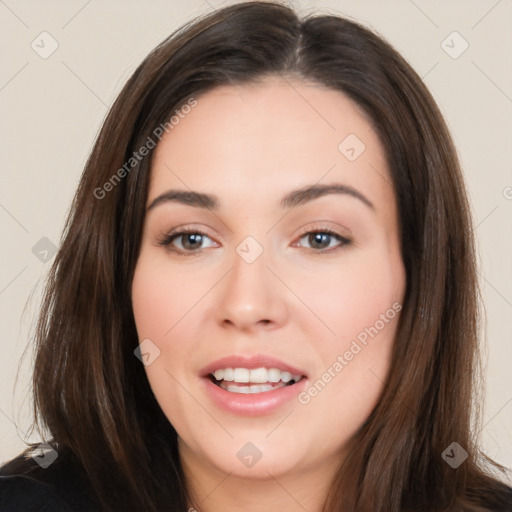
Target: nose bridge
(248, 279)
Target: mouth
(252, 385)
(253, 380)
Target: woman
(265, 298)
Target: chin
(253, 455)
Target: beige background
(52, 108)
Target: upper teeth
(258, 375)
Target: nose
(251, 297)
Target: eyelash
(167, 239)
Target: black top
(25, 486)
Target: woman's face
(291, 269)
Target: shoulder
(501, 501)
(496, 497)
(27, 486)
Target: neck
(212, 490)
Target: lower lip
(253, 404)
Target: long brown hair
(91, 393)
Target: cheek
(360, 302)
(151, 303)
(156, 311)
(352, 296)
(161, 297)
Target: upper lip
(250, 362)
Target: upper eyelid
(187, 230)
(320, 225)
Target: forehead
(267, 137)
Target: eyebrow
(294, 198)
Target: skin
(249, 146)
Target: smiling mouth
(259, 380)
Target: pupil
(320, 238)
(195, 238)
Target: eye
(188, 241)
(323, 239)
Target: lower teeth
(257, 388)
